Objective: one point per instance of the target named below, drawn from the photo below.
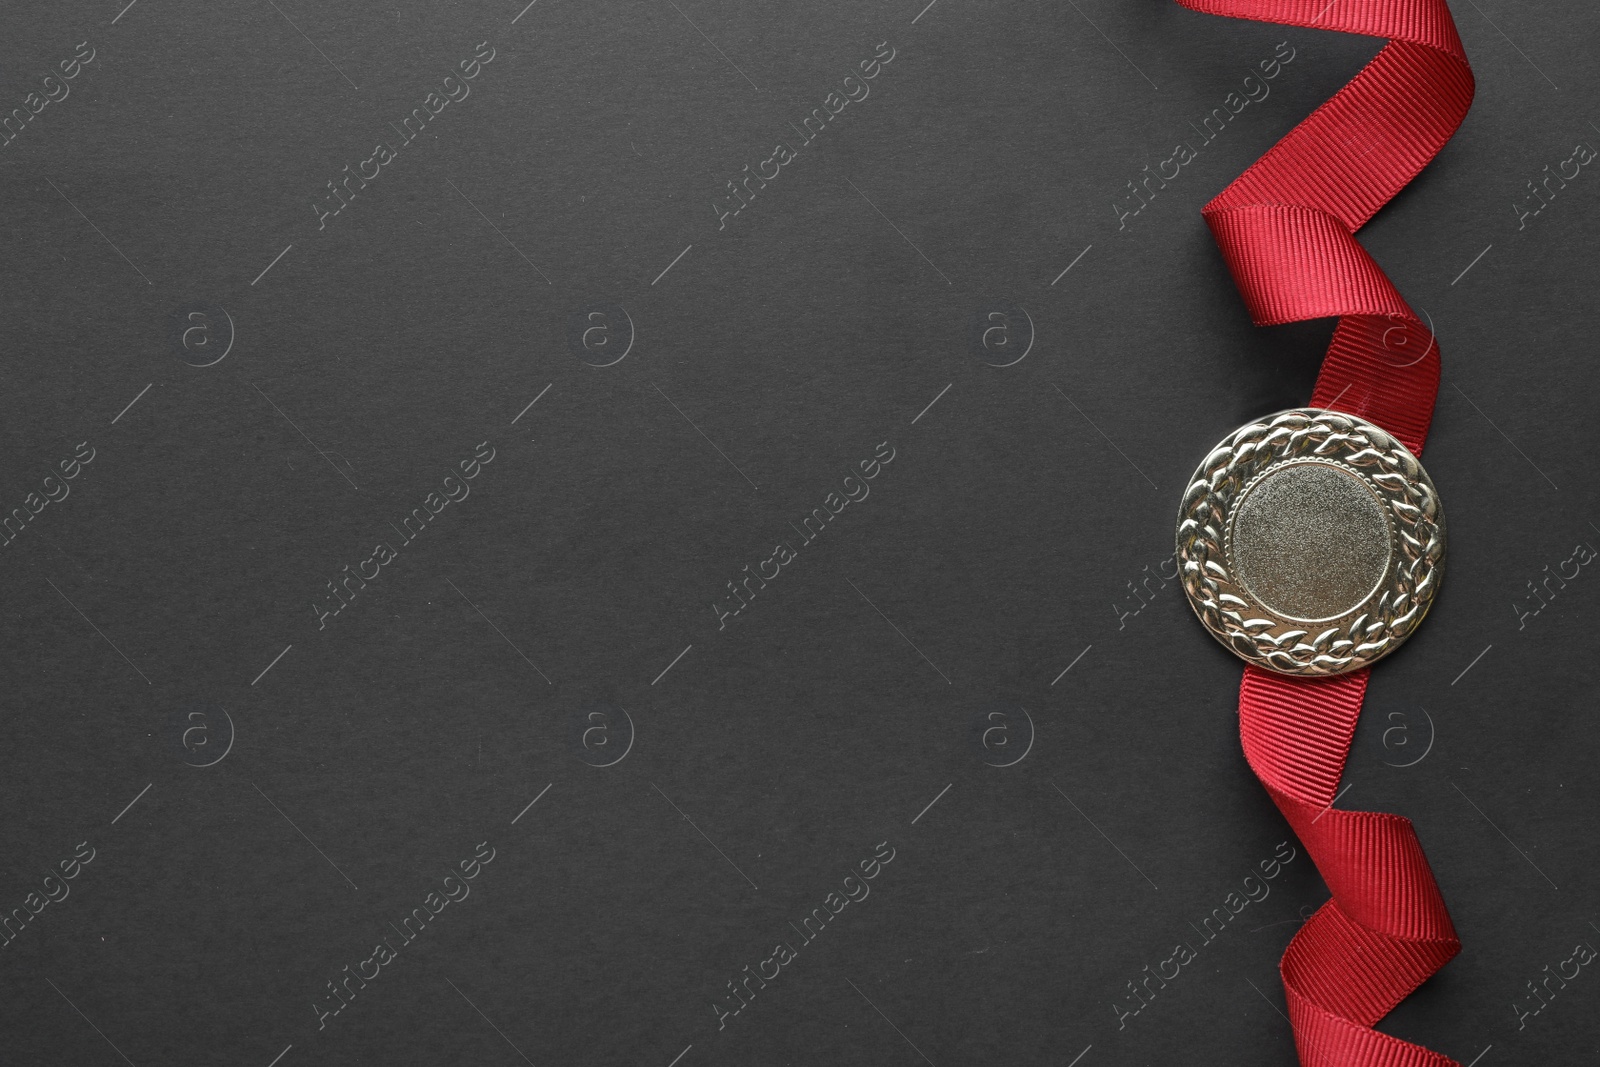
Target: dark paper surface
(430, 396)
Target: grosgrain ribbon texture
(1286, 228)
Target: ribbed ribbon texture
(1286, 228)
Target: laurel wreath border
(1369, 630)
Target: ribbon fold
(1286, 228)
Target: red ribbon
(1287, 229)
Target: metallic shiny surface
(1311, 542)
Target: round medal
(1311, 542)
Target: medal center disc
(1310, 541)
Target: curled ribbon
(1286, 228)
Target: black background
(822, 321)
